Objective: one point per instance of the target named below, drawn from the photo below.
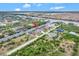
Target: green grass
(45, 47)
(42, 47)
(70, 27)
(71, 37)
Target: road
(66, 22)
(29, 42)
(19, 34)
(61, 20)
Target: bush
(1, 36)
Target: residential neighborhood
(34, 30)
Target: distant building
(16, 21)
(73, 33)
(2, 24)
(52, 35)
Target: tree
(1, 35)
(11, 32)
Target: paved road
(18, 34)
(75, 23)
(29, 42)
(64, 21)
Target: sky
(39, 6)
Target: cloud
(57, 8)
(51, 8)
(17, 9)
(26, 5)
(39, 4)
